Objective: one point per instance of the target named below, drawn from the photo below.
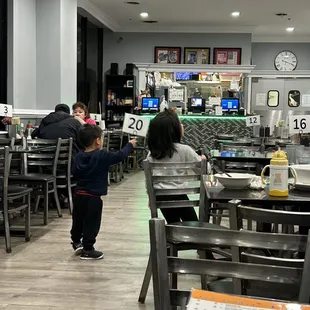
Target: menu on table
(205, 300)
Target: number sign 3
(299, 124)
(6, 110)
(253, 120)
(135, 125)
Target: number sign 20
(135, 125)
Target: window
(90, 64)
(294, 98)
(273, 98)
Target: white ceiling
(257, 17)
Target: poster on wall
(305, 101)
(197, 55)
(227, 56)
(167, 55)
(261, 99)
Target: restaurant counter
(201, 131)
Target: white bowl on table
(303, 174)
(235, 180)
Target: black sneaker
(93, 254)
(77, 247)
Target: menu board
(205, 300)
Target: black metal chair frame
(42, 183)
(160, 235)
(9, 195)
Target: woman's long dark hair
(164, 132)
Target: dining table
(298, 200)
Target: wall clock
(285, 61)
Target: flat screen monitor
(230, 104)
(196, 104)
(185, 76)
(150, 104)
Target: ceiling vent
(150, 21)
(133, 2)
(281, 14)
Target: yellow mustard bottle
(278, 174)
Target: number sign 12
(299, 124)
(135, 125)
(253, 120)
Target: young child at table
(164, 142)
(80, 112)
(91, 169)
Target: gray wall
(139, 47)
(263, 54)
(22, 54)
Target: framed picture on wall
(227, 56)
(197, 55)
(167, 55)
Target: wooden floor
(44, 273)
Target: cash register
(196, 105)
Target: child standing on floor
(90, 169)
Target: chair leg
(70, 197)
(36, 206)
(45, 193)
(7, 230)
(174, 276)
(204, 279)
(27, 219)
(146, 281)
(57, 199)
(109, 178)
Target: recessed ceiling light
(235, 14)
(290, 29)
(144, 15)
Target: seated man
(59, 124)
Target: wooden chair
(64, 176)
(41, 171)
(182, 172)
(162, 265)
(12, 198)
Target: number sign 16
(135, 125)
(299, 124)
(253, 120)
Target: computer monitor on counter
(196, 105)
(230, 104)
(150, 105)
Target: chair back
(46, 159)
(160, 235)
(185, 179)
(5, 163)
(65, 156)
(239, 212)
(114, 141)
(7, 142)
